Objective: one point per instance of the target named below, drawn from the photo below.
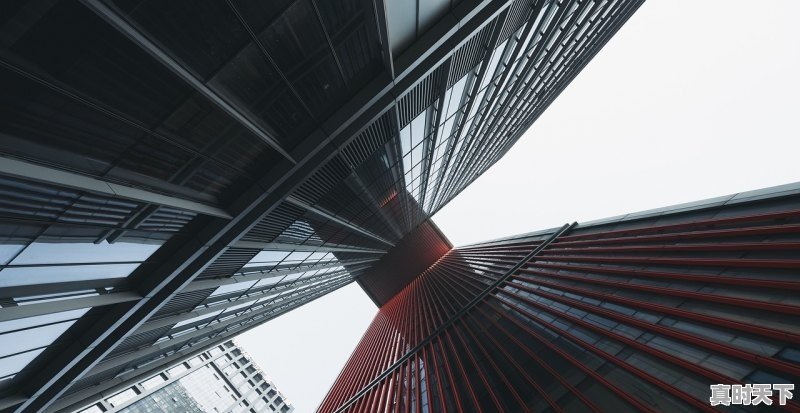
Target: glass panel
(153, 382)
(121, 397)
(498, 52)
(402, 24)
(296, 257)
(24, 340)
(29, 335)
(13, 364)
(455, 94)
(28, 322)
(45, 275)
(232, 287)
(267, 257)
(177, 370)
(198, 318)
(320, 257)
(430, 11)
(240, 306)
(93, 409)
(8, 251)
(49, 253)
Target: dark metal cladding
(410, 257)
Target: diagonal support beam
(277, 246)
(383, 36)
(333, 218)
(116, 20)
(50, 307)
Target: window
(121, 397)
(74, 253)
(153, 382)
(92, 409)
(8, 251)
(14, 276)
(177, 369)
(26, 338)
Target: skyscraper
(641, 312)
(222, 379)
(175, 173)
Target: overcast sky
(690, 100)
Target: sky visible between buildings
(690, 100)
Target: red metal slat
(732, 324)
(458, 364)
(670, 332)
(706, 247)
(448, 370)
(669, 388)
(498, 371)
(616, 390)
(686, 262)
(712, 376)
(535, 357)
(683, 236)
(717, 279)
(693, 224)
(713, 298)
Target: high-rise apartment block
(222, 379)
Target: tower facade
(222, 379)
(173, 174)
(642, 312)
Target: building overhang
(404, 262)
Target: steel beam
(277, 246)
(255, 276)
(50, 307)
(383, 36)
(375, 205)
(59, 287)
(333, 218)
(26, 170)
(117, 21)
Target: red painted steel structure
(384, 279)
(640, 313)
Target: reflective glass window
(224, 289)
(69, 253)
(267, 257)
(121, 397)
(41, 275)
(8, 251)
(11, 365)
(25, 338)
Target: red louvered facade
(637, 313)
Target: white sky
(690, 100)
